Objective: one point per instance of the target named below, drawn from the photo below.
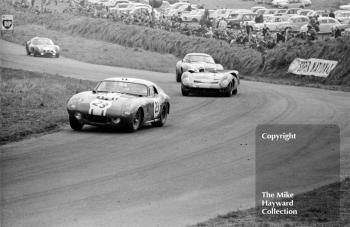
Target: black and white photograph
(175, 113)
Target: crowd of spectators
(208, 28)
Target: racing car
(39, 46)
(195, 60)
(120, 101)
(199, 79)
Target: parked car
(255, 8)
(345, 7)
(305, 12)
(295, 23)
(193, 16)
(327, 25)
(235, 20)
(342, 16)
(291, 4)
(272, 23)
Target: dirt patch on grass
(311, 210)
(34, 102)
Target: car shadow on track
(111, 130)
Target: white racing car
(199, 80)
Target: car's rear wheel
(135, 122)
(163, 117)
(75, 124)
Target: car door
(155, 103)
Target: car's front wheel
(184, 91)
(229, 90)
(135, 122)
(163, 117)
(27, 49)
(57, 55)
(178, 76)
(75, 124)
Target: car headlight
(186, 80)
(224, 82)
(127, 109)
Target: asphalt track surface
(199, 165)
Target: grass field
(97, 51)
(314, 208)
(92, 39)
(34, 102)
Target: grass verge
(34, 102)
(312, 212)
(96, 51)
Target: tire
(28, 53)
(135, 123)
(163, 117)
(184, 91)
(75, 124)
(178, 76)
(235, 92)
(229, 90)
(57, 55)
(36, 54)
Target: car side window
(153, 91)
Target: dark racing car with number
(39, 46)
(120, 101)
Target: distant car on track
(119, 101)
(195, 60)
(39, 46)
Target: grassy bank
(97, 51)
(34, 102)
(279, 59)
(147, 40)
(313, 207)
(159, 41)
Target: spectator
(331, 14)
(311, 33)
(259, 19)
(222, 24)
(265, 31)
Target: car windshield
(42, 42)
(122, 87)
(200, 58)
(234, 16)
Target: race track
(199, 165)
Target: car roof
(207, 55)
(131, 80)
(40, 38)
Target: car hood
(46, 47)
(207, 77)
(203, 65)
(111, 103)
